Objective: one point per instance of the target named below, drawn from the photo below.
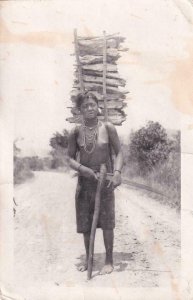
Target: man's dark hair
(85, 95)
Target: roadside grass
(164, 179)
(22, 171)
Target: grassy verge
(163, 179)
(22, 171)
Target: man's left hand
(116, 179)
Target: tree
(149, 146)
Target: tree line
(151, 156)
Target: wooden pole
(104, 76)
(101, 180)
(79, 66)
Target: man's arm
(115, 142)
(72, 151)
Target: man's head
(87, 103)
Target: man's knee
(86, 235)
(108, 232)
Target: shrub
(149, 146)
(163, 174)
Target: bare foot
(107, 269)
(82, 268)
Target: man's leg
(83, 267)
(108, 236)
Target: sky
(37, 63)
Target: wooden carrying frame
(96, 71)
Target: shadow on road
(121, 261)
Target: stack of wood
(96, 71)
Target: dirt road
(48, 249)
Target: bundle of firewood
(96, 71)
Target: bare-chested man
(92, 140)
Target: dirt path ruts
(48, 249)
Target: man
(93, 141)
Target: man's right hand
(87, 172)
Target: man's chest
(99, 136)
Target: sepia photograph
(96, 142)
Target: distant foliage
(149, 146)
(25, 165)
(35, 163)
(21, 167)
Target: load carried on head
(96, 71)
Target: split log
(99, 67)
(115, 36)
(99, 74)
(109, 81)
(114, 112)
(98, 51)
(97, 59)
(99, 96)
(99, 88)
(118, 104)
(111, 43)
(117, 120)
(75, 119)
(75, 111)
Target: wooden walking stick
(101, 180)
(103, 170)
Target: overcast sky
(38, 65)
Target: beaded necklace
(89, 138)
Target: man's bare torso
(100, 153)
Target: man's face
(89, 108)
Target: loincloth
(85, 203)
